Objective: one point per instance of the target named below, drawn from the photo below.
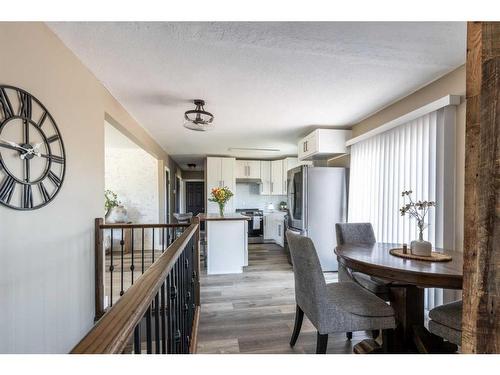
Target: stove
(255, 224)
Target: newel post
(99, 269)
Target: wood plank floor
(254, 312)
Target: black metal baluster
(180, 262)
(132, 267)
(189, 278)
(137, 339)
(163, 322)
(122, 242)
(149, 344)
(177, 315)
(169, 313)
(184, 302)
(191, 302)
(173, 308)
(111, 269)
(142, 252)
(157, 324)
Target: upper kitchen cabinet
(323, 144)
(248, 169)
(220, 172)
(277, 177)
(265, 175)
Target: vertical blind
(403, 158)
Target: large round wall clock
(32, 158)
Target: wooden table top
(375, 260)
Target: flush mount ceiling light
(198, 119)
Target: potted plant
(221, 196)
(115, 212)
(418, 210)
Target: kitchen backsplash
(248, 196)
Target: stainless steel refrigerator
(317, 199)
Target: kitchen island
(226, 242)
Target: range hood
(249, 180)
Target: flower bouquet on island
(221, 196)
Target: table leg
(408, 304)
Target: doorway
(195, 197)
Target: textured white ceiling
(266, 83)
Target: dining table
(407, 280)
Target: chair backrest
(310, 285)
(354, 233)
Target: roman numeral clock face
(32, 158)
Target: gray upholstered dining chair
(332, 308)
(446, 322)
(360, 233)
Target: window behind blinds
(414, 156)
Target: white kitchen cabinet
(220, 172)
(240, 169)
(323, 144)
(248, 169)
(265, 175)
(277, 177)
(269, 227)
(274, 227)
(288, 163)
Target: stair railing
(159, 312)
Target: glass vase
(221, 209)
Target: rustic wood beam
(481, 286)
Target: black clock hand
(10, 147)
(27, 169)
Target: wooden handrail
(136, 226)
(112, 332)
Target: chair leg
(321, 343)
(299, 316)
(348, 335)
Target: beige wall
(46, 255)
(452, 83)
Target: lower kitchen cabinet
(274, 227)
